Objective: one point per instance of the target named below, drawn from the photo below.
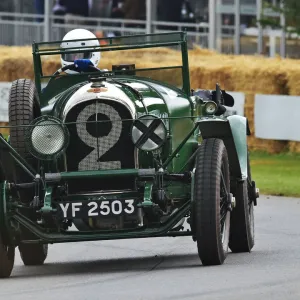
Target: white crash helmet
(76, 34)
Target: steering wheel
(74, 68)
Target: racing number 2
(101, 145)
(104, 209)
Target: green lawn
(5, 135)
(276, 174)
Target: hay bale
(234, 73)
(294, 147)
(293, 80)
(4, 131)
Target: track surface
(169, 268)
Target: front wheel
(211, 204)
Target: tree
(290, 9)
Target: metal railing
(23, 28)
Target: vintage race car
(119, 154)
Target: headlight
(47, 138)
(210, 107)
(148, 133)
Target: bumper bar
(84, 236)
(57, 177)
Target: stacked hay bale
(248, 74)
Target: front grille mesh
(103, 144)
(98, 146)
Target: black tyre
(7, 259)
(23, 109)
(33, 254)
(210, 206)
(242, 218)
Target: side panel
(180, 112)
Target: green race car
(121, 154)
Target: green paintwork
(147, 201)
(47, 207)
(178, 190)
(233, 131)
(238, 126)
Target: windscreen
(157, 57)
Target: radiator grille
(103, 145)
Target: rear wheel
(7, 259)
(242, 218)
(210, 208)
(33, 254)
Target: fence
(22, 29)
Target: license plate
(103, 208)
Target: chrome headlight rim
(63, 131)
(162, 127)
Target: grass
(5, 135)
(277, 174)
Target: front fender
(233, 132)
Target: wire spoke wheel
(223, 207)
(210, 204)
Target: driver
(79, 61)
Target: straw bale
(4, 131)
(293, 80)
(294, 147)
(235, 73)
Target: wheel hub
(231, 201)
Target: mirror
(228, 99)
